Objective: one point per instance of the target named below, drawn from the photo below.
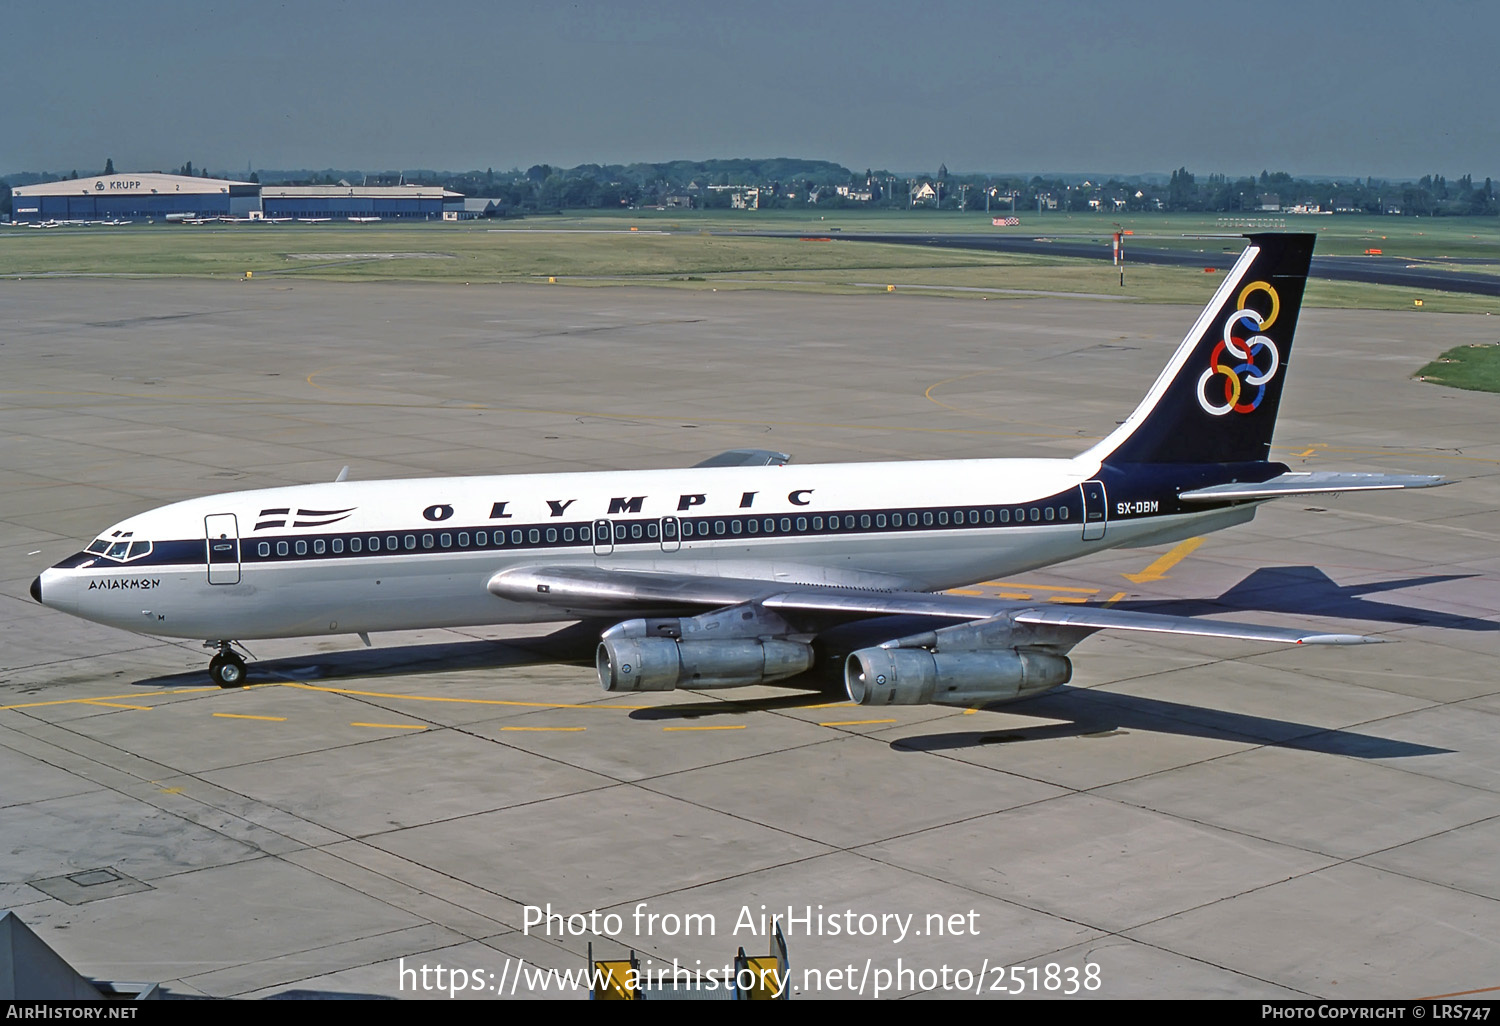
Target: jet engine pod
(662, 664)
(916, 676)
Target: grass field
(676, 249)
(1476, 368)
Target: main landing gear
(227, 668)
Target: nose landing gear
(227, 668)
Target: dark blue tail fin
(1216, 401)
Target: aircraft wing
(747, 458)
(629, 592)
(1315, 482)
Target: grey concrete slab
(370, 789)
(28, 779)
(1444, 859)
(635, 746)
(1450, 742)
(1347, 931)
(1139, 865)
(317, 973)
(106, 829)
(247, 915)
(514, 850)
(481, 818)
(1340, 806)
(806, 791)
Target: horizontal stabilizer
(1316, 482)
(746, 458)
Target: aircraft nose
(36, 589)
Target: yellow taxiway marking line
(831, 705)
(1311, 450)
(172, 790)
(1066, 598)
(444, 698)
(1159, 567)
(392, 726)
(1037, 587)
(101, 699)
(246, 716)
(565, 729)
(964, 591)
(731, 726)
(1117, 596)
(114, 705)
(853, 723)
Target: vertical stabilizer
(1216, 401)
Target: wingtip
(1340, 639)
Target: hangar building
(387, 202)
(134, 196)
(157, 197)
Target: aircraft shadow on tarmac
(1098, 715)
(1295, 590)
(1308, 591)
(573, 644)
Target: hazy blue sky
(1314, 87)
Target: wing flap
(1315, 482)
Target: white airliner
(727, 573)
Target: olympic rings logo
(1239, 357)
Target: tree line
(792, 183)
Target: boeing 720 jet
(726, 574)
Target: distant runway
(1373, 270)
(1188, 818)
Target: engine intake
(663, 664)
(917, 676)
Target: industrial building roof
(141, 184)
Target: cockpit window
(122, 550)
